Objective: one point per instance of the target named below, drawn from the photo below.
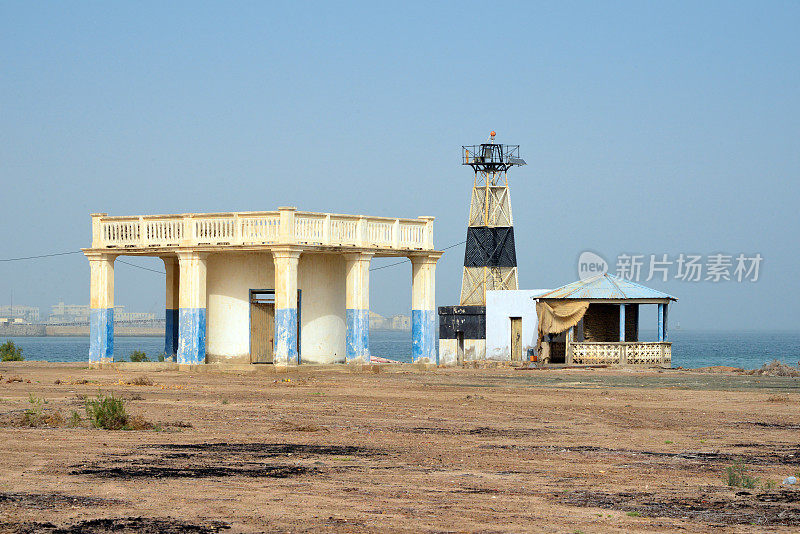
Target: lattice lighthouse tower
(490, 259)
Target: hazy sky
(648, 128)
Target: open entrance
(516, 339)
(262, 325)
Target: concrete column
(423, 309)
(666, 310)
(286, 230)
(172, 308)
(622, 322)
(286, 261)
(567, 348)
(192, 308)
(661, 322)
(357, 313)
(101, 304)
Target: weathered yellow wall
(321, 277)
(322, 315)
(230, 278)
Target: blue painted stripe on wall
(423, 335)
(192, 335)
(357, 337)
(285, 336)
(171, 333)
(101, 335)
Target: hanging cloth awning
(557, 316)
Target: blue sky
(648, 128)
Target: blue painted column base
(357, 337)
(171, 320)
(285, 336)
(423, 336)
(101, 335)
(192, 335)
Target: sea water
(748, 350)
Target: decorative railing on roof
(284, 226)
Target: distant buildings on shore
(62, 313)
(15, 313)
(79, 313)
(66, 314)
(400, 323)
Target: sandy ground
(402, 450)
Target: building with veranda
(281, 287)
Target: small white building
(280, 287)
(511, 324)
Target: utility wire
(140, 267)
(41, 256)
(22, 258)
(162, 272)
(405, 260)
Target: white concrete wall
(322, 312)
(500, 307)
(231, 276)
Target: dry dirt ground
(401, 449)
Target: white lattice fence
(631, 353)
(643, 353)
(596, 353)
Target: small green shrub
(737, 477)
(75, 419)
(139, 356)
(768, 485)
(634, 514)
(162, 357)
(9, 352)
(34, 416)
(107, 411)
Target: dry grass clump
(79, 382)
(140, 381)
(776, 368)
(38, 416)
(288, 426)
(778, 398)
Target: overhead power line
(51, 255)
(22, 258)
(405, 260)
(140, 267)
(41, 256)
